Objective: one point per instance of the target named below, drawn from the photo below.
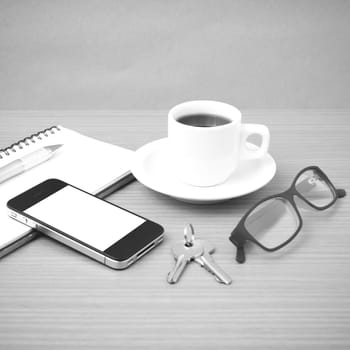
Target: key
(207, 261)
(195, 250)
(183, 255)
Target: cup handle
(254, 129)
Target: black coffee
(203, 120)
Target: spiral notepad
(82, 161)
(28, 141)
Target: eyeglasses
(275, 221)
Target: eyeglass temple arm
(240, 254)
(341, 193)
(239, 243)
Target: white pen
(29, 161)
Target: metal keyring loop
(189, 235)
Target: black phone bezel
(121, 250)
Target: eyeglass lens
(273, 222)
(314, 187)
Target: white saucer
(152, 168)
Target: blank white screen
(95, 222)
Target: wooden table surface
(54, 298)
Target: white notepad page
(82, 161)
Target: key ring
(198, 251)
(189, 235)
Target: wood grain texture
(52, 297)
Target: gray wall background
(152, 54)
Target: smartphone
(101, 230)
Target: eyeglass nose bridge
(304, 203)
(290, 195)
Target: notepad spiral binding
(27, 140)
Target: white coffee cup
(208, 155)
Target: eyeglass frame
(240, 235)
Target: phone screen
(84, 217)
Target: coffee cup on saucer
(207, 139)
